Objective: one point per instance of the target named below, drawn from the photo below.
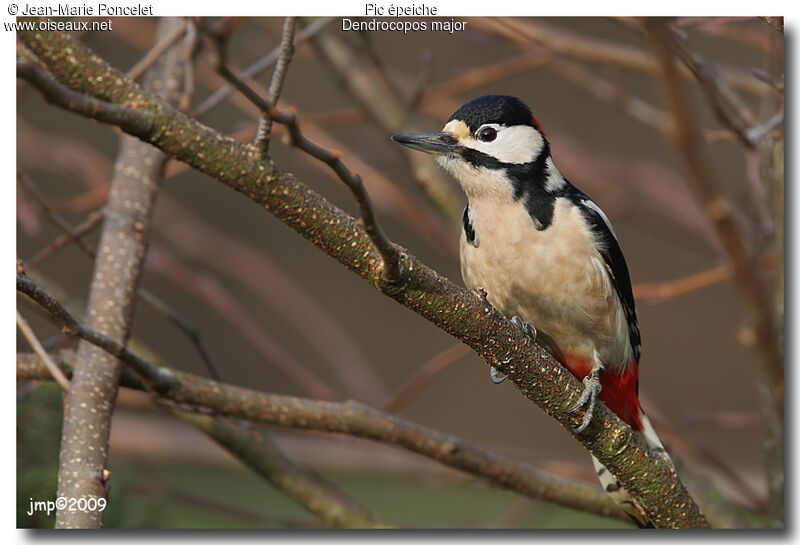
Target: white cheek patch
(515, 145)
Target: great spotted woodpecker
(546, 255)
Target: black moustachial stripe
(528, 180)
(469, 231)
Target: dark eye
(487, 134)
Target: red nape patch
(537, 125)
(619, 387)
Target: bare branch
(390, 270)
(728, 109)
(52, 368)
(72, 235)
(719, 212)
(48, 212)
(276, 288)
(186, 328)
(307, 488)
(271, 353)
(61, 95)
(257, 68)
(365, 83)
(358, 420)
(570, 44)
(425, 373)
(149, 375)
(75, 234)
(388, 250)
(276, 84)
(150, 57)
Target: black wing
(612, 254)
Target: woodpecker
(545, 254)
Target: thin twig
(151, 56)
(566, 43)
(390, 271)
(635, 107)
(276, 84)
(719, 212)
(52, 368)
(389, 251)
(54, 218)
(754, 134)
(188, 329)
(730, 111)
(271, 353)
(149, 374)
(487, 74)
(72, 235)
(365, 82)
(191, 47)
(75, 234)
(425, 373)
(257, 68)
(275, 287)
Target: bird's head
(487, 135)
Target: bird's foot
(591, 390)
(526, 327)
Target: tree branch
(276, 84)
(52, 368)
(75, 234)
(357, 420)
(719, 212)
(453, 309)
(390, 270)
(365, 82)
(388, 250)
(257, 68)
(307, 488)
(152, 55)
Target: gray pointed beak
(435, 143)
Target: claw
(495, 375)
(591, 390)
(526, 327)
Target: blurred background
(256, 292)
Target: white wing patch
(591, 204)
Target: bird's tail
(611, 485)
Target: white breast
(553, 278)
